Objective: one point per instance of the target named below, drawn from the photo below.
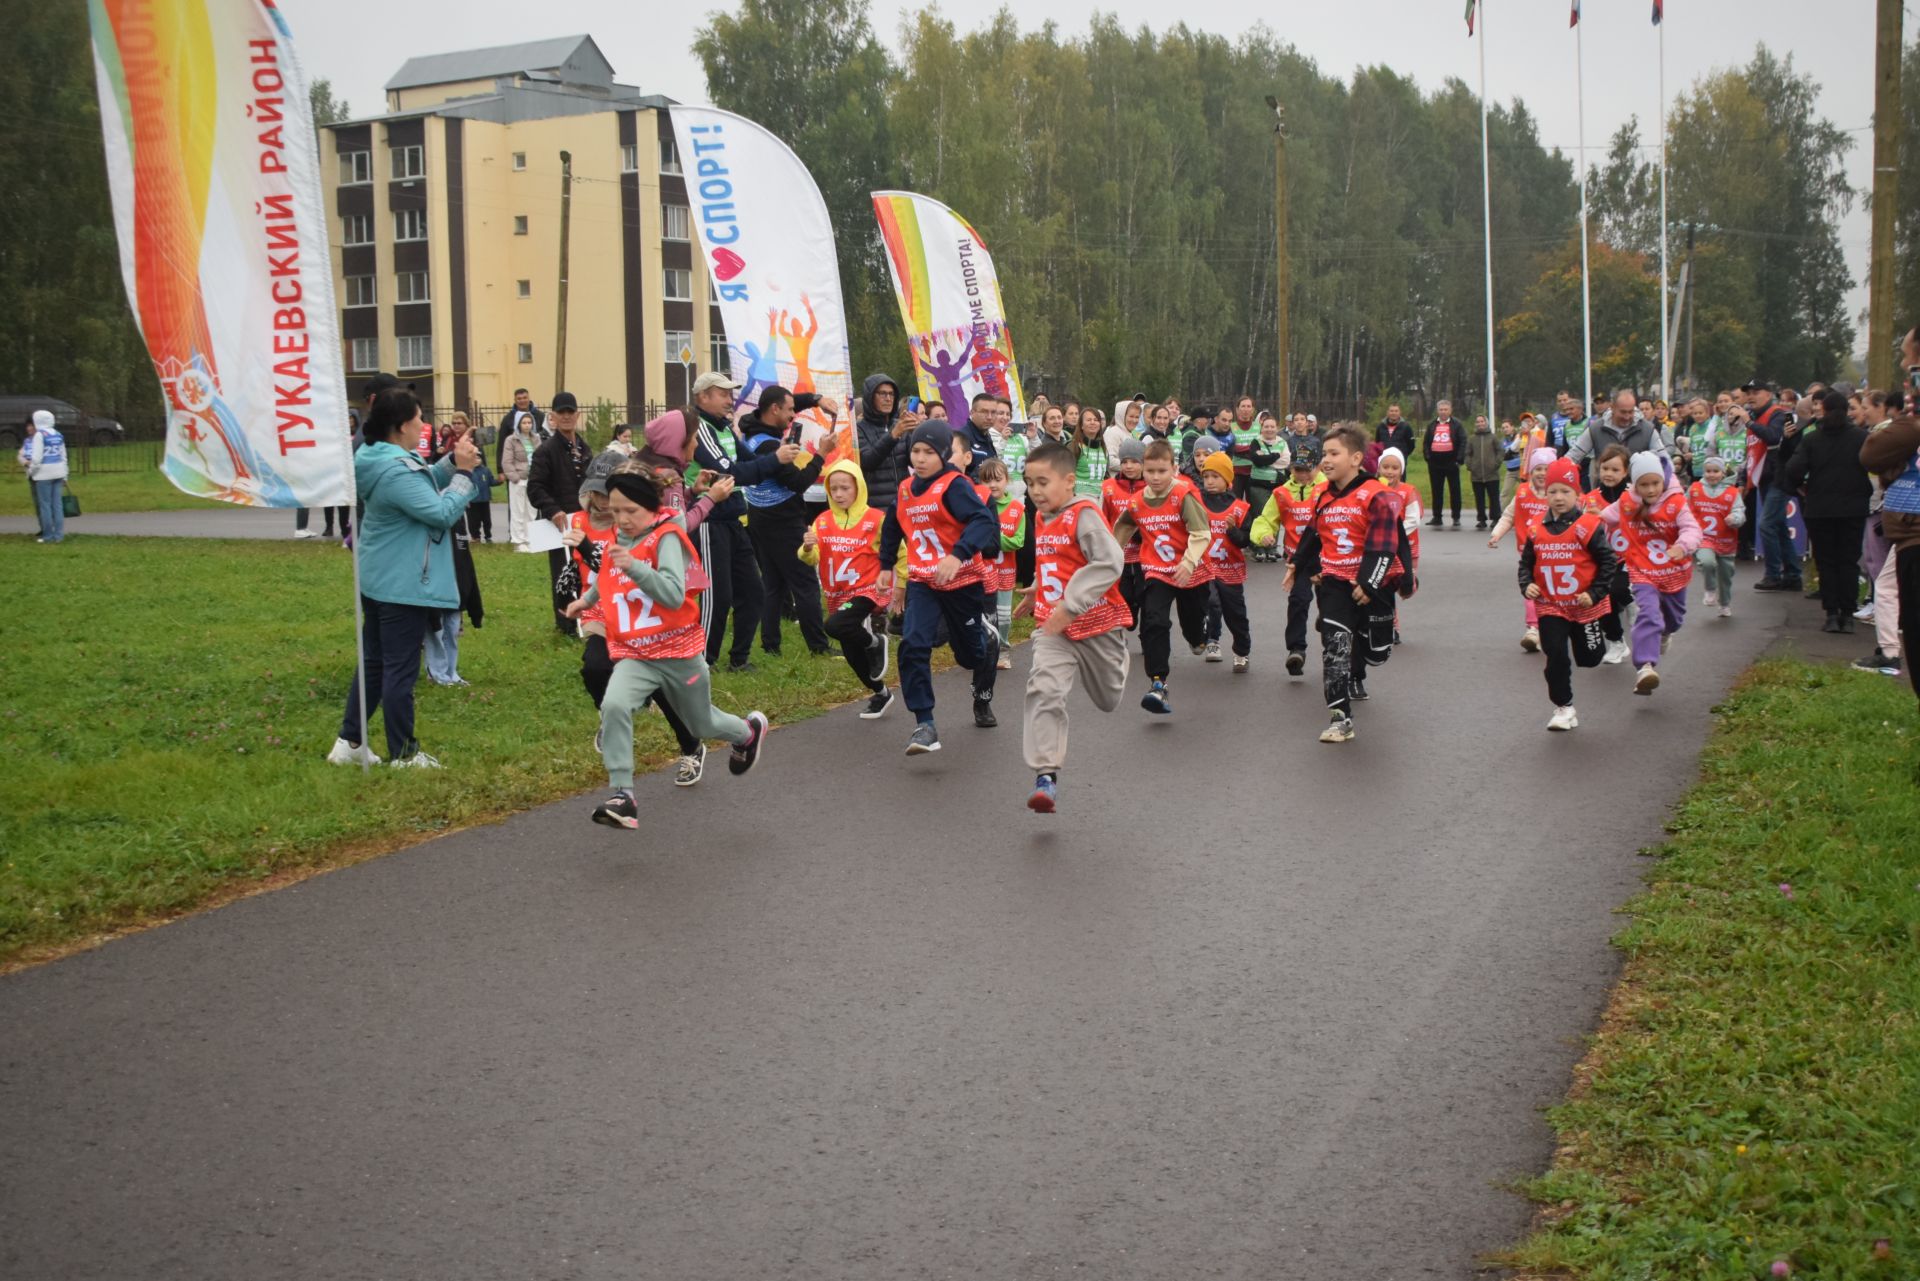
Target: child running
(1076, 601)
(992, 475)
(1717, 504)
(1529, 504)
(1224, 566)
(946, 529)
(1610, 469)
(1566, 563)
(1117, 493)
(1661, 536)
(1355, 553)
(656, 641)
(1283, 520)
(1174, 533)
(1392, 465)
(844, 541)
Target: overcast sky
(358, 44)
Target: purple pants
(1661, 614)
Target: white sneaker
(1648, 679)
(1864, 613)
(304, 533)
(1563, 718)
(1726, 611)
(1340, 731)
(345, 753)
(1711, 599)
(1530, 640)
(1616, 652)
(1214, 655)
(419, 760)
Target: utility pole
(1283, 392)
(566, 229)
(1886, 159)
(1687, 297)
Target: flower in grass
(1739, 1149)
(1781, 1268)
(1786, 890)
(1883, 1249)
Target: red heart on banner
(727, 264)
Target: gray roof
(480, 64)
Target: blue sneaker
(1045, 791)
(1156, 701)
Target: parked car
(73, 424)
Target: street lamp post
(1282, 283)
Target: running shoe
(1198, 650)
(419, 760)
(1648, 680)
(688, 770)
(1878, 661)
(345, 753)
(746, 755)
(1045, 793)
(925, 739)
(1864, 613)
(1156, 701)
(1563, 718)
(1616, 653)
(877, 705)
(1240, 664)
(1710, 598)
(1340, 731)
(1726, 611)
(1530, 640)
(1359, 692)
(983, 717)
(1213, 652)
(1296, 663)
(618, 810)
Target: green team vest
(1243, 437)
(1266, 475)
(1090, 471)
(1013, 452)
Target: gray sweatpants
(1097, 664)
(684, 683)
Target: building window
(717, 358)
(409, 224)
(416, 352)
(630, 158)
(678, 283)
(526, 353)
(519, 161)
(413, 287)
(519, 224)
(679, 347)
(523, 288)
(409, 162)
(358, 229)
(366, 355)
(669, 156)
(360, 291)
(673, 222)
(356, 168)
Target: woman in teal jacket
(405, 547)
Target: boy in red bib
(1173, 531)
(1610, 473)
(655, 639)
(945, 530)
(1661, 536)
(1566, 564)
(1355, 553)
(1117, 493)
(1225, 564)
(844, 542)
(1075, 598)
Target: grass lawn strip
(1751, 1105)
(171, 699)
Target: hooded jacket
(666, 438)
(981, 536)
(883, 457)
(1484, 456)
(409, 507)
(1827, 464)
(849, 516)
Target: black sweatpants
(1836, 554)
(728, 556)
(862, 648)
(1567, 644)
(1227, 603)
(1906, 573)
(479, 520)
(1445, 474)
(1751, 501)
(1620, 592)
(1160, 601)
(596, 669)
(1353, 636)
(784, 580)
(1299, 608)
(1133, 590)
(1486, 500)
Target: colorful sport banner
(769, 247)
(214, 169)
(950, 302)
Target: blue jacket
(406, 553)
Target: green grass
(1754, 1095)
(138, 491)
(170, 700)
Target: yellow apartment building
(448, 227)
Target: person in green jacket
(1089, 453)
(1485, 464)
(405, 554)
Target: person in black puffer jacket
(881, 436)
(1836, 491)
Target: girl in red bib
(1528, 506)
(1566, 564)
(1224, 567)
(1076, 602)
(1719, 507)
(654, 636)
(1610, 469)
(844, 543)
(1661, 536)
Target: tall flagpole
(1586, 282)
(1486, 211)
(1666, 335)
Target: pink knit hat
(668, 433)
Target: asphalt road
(1249, 1006)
